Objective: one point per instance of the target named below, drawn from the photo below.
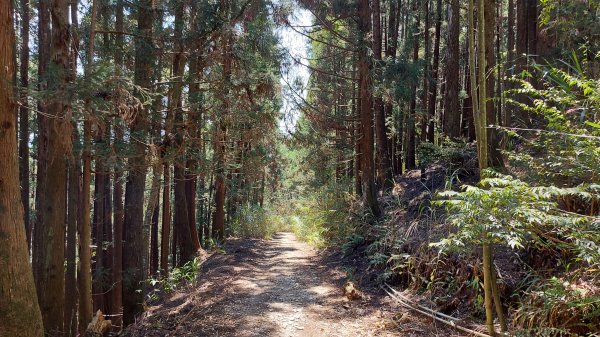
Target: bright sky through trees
(294, 75)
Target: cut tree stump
(98, 326)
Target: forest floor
(278, 287)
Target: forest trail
(277, 287)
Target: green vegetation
(177, 278)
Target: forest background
(138, 133)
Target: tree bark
(98, 268)
(196, 125)
(433, 85)
(166, 222)
(410, 157)
(19, 310)
(118, 212)
(494, 154)
(181, 217)
(51, 263)
(133, 250)
(70, 319)
(108, 232)
(153, 204)
(154, 242)
(218, 227)
(426, 71)
(384, 170)
(85, 250)
(483, 159)
(524, 50)
(356, 136)
(366, 110)
(73, 204)
(510, 59)
(395, 147)
(24, 119)
(42, 136)
(451, 120)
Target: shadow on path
(277, 287)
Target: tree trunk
(522, 49)
(108, 233)
(73, 204)
(487, 288)
(174, 259)
(118, 212)
(366, 109)
(426, 72)
(51, 264)
(392, 46)
(119, 215)
(410, 158)
(24, 119)
(483, 159)
(494, 154)
(153, 205)
(384, 170)
(70, 319)
(356, 136)
(467, 109)
(166, 222)
(433, 86)
(19, 313)
(133, 250)
(510, 59)
(532, 28)
(220, 144)
(42, 135)
(451, 120)
(181, 218)
(154, 242)
(98, 228)
(480, 135)
(196, 125)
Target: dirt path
(277, 287)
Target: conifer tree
(19, 310)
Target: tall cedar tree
(52, 249)
(433, 85)
(384, 170)
(85, 228)
(133, 246)
(451, 120)
(411, 137)
(24, 118)
(19, 310)
(181, 218)
(220, 142)
(366, 111)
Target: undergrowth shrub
(451, 155)
(504, 210)
(257, 222)
(567, 306)
(178, 277)
(320, 216)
